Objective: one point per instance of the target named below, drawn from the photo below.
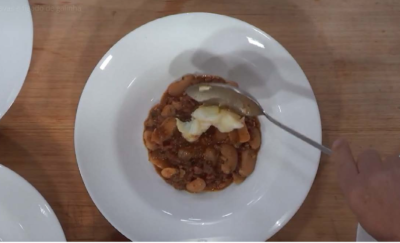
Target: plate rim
(362, 235)
(29, 186)
(107, 53)
(25, 69)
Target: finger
(369, 161)
(346, 167)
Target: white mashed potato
(206, 116)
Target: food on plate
(198, 148)
(206, 116)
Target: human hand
(372, 189)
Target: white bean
(248, 162)
(230, 157)
(255, 141)
(196, 186)
(168, 172)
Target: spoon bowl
(225, 95)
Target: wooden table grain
(349, 50)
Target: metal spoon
(242, 103)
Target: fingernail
(338, 143)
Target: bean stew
(210, 163)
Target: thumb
(346, 166)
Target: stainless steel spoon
(242, 103)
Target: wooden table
(349, 50)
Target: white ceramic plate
(131, 78)
(16, 39)
(24, 213)
(363, 236)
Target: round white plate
(16, 39)
(363, 236)
(24, 213)
(131, 78)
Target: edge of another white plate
(18, 9)
(34, 228)
(363, 236)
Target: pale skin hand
(372, 189)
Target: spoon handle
(299, 135)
